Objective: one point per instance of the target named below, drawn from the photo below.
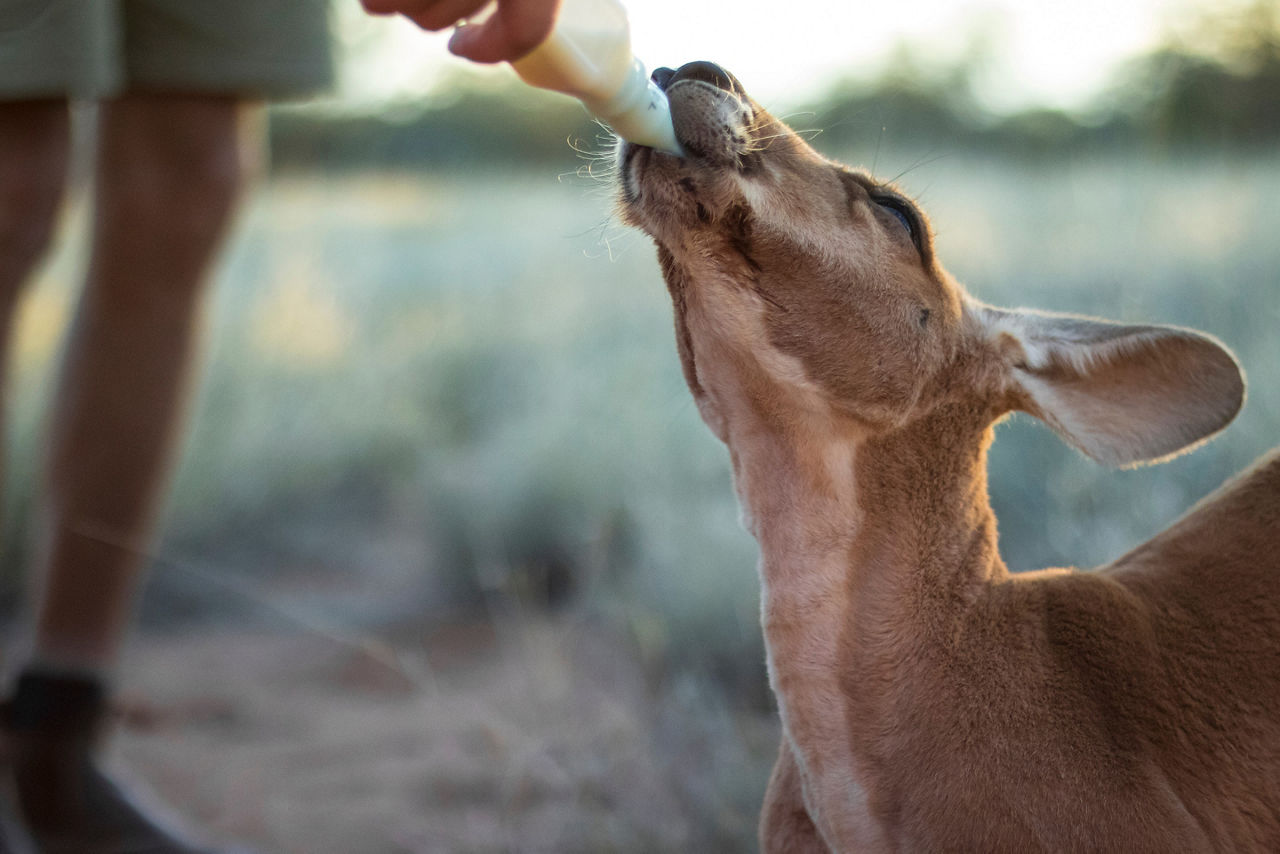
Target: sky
(1040, 52)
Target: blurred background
(451, 564)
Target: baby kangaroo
(930, 700)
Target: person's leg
(169, 171)
(34, 147)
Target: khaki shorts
(99, 48)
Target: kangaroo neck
(876, 527)
(868, 548)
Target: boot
(67, 804)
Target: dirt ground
(532, 734)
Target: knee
(172, 199)
(178, 192)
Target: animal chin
(711, 123)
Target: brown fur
(932, 701)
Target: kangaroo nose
(707, 72)
(662, 77)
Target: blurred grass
(479, 369)
(429, 396)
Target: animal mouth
(712, 117)
(710, 110)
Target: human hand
(515, 28)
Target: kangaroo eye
(895, 207)
(902, 218)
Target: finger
(442, 14)
(515, 29)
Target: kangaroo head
(806, 290)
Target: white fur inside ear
(1121, 394)
(1109, 440)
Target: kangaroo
(930, 700)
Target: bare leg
(169, 171)
(34, 144)
(785, 825)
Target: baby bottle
(588, 55)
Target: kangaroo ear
(1121, 394)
